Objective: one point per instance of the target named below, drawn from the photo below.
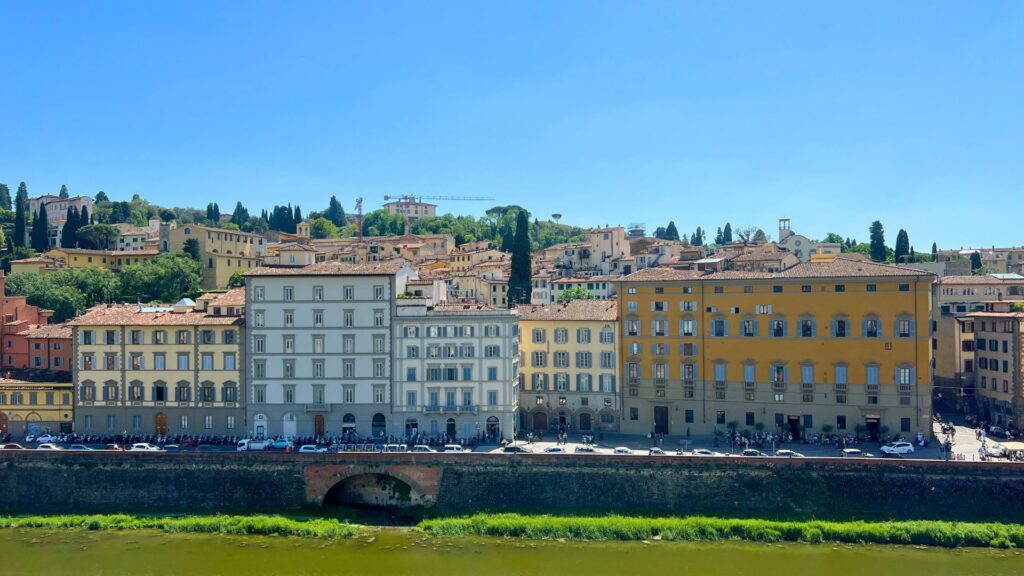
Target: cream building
(147, 369)
(997, 331)
(569, 366)
(221, 252)
(455, 370)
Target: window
(687, 327)
(720, 417)
(259, 394)
(904, 424)
(184, 421)
(584, 360)
(87, 337)
(258, 293)
(634, 413)
(904, 287)
(720, 372)
(840, 288)
(870, 288)
(720, 327)
(182, 337)
(904, 328)
(289, 293)
(348, 394)
(348, 293)
(378, 292)
(492, 373)
(808, 328)
(778, 328)
(538, 336)
(378, 317)
(539, 359)
(110, 337)
(871, 328)
(749, 328)
(318, 292)
(207, 361)
(378, 394)
(583, 336)
(805, 288)
(840, 328)
(347, 318)
(183, 361)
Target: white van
(454, 448)
(250, 444)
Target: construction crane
(412, 198)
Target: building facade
(839, 346)
(320, 348)
(569, 366)
(49, 347)
(455, 370)
(221, 252)
(995, 345)
(35, 407)
(160, 369)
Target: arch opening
(373, 490)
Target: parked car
(554, 450)
(145, 447)
(997, 431)
(173, 448)
(396, 448)
(114, 447)
(281, 444)
(655, 452)
(454, 448)
(12, 446)
(45, 439)
(856, 453)
(995, 450)
(752, 452)
(622, 450)
(80, 447)
(251, 444)
(48, 446)
(898, 448)
(516, 449)
(312, 449)
(785, 453)
(586, 449)
(422, 448)
(702, 452)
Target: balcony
(318, 407)
(450, 409)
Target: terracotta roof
(148, 315)
(233, 297)
(465, 307)
(88, 252)
(837, 268)
(661, 274)
(40, 259)
(739, 275)
(601, 310)
(979, 279)
(295, 246)
(48, 331)
(760, 256)
(332, 268)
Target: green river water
(391, 551)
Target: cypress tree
(20, 214)
(520, 281)
(671, 233)
(68, 234)
(727, 234)
(878, 249)
(902, 249)
(5, 197)
(335, 213)
(63, 191)
(83, 218)
(976, 262)
(719, 237)
(41, 231)
(935, 252)
(297, 217)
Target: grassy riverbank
(929, 533)
(237, 525)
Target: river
(396, 552)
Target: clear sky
(831, 113)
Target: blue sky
(831, 113)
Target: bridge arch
(379, 487)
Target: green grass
(239, 525)
(698, 528)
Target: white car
(312, 449)
(251, 444)
(656, 452)
(898, 448)
(622, 450)
(855, 453)
(422, 448)
(995, 450)
(554, 450)
(705, 452)
(45, 438)
(788, 454)
(454, 448)
(585, 449)
(48, 446)
(145, 447)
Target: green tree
(98, 236)
(576, 293)
(976, 264)
(191, 248)
(727, 234)
(101, 196)
(759, 236)
(83, 218)
(935, 252)
(879, 252)
(240, 216)
(335, 213)
(69, 233)
(671, 232)
(322, 228)
(65, 302)
(901, 252)
(5, 197)
(833, 238)
(63, 191)
(167, 278)
(20, 214)
(237, 279)
(520, 280)
(167, 215)
(719, 237)
(41, 230)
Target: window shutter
(913, 376)
(785, 373)
(785, 328)
(835, 327)
(726, 325)
(864, 328)
(756, 326)
(814, 328)
(896, 327)
(913, 328)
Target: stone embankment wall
(32, 483)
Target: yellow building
(35, 407)
(568, 366)
(221, 252)
(113, 260)
(837, 345)
(993, 388)
(161, 369)
(36, 265)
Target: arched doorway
(493, 427)
(288, 425)
(348, 424)
(563, 420)
(540, 420)
(449, 428)
(379, 425)
(318, 425)
(161, 424)
(3, 423)
(585, 423)
(412, 427)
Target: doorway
(3, 423)
(412, 427)
(288, 425)
(540, 420)
(874, 428)
(449, 428)
(492, 426)
(793, 423)
(161, 424)
(562, 420)
(318, 425)
(661, 419)
(379, 425)
(585, 424)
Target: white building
(319, 348)
(802, 246)
(455, 370)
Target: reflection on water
(394, 551)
